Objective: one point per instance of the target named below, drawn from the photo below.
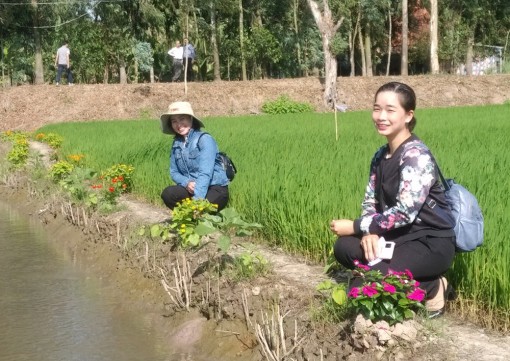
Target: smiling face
(181, 124)
(389, 116)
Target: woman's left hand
(342, 227)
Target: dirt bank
(29, 107)
(223, 314)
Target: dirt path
(29, 107)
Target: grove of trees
(120, 41)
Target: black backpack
(226, 162)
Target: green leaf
(324, 285)
(202, 229)
(155, 230)
(229, 213)
(194, 239)
(339, 296)
(141, 231)
(224, 243)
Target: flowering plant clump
(391, 298)
(52, 139)
(186, 217)
(18, 155)
(119, 176)
(76, 159)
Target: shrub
(284, 105)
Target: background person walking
(62, 63)
(176, 53)
(188, 57)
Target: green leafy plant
(60, 170)
(284, 105)
(391, 298)
(18, 155)
(193, 219)
(334, 307)
(250, 263)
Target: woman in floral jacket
(402, 191)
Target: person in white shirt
(62, 63)
(176, 52)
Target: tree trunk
(122, 72)
(434, 60)
(352, 45)
(151, 74)
(389, 39)
(362, 49)
(244, 77)
(327, 29)
(214, 42)
(469, 54)
(368, 51)
(296, 33)
(38, 66)
(135, 80)
(405, 32)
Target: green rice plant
(294, 177)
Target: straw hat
(178, 108)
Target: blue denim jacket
(190, 161)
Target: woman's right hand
(370, 245)
(191, 187)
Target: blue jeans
(61, 68)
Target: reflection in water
(51, 311)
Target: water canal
(51, 309)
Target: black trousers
(427, 258)
(172, 195)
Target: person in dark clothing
(397, 204)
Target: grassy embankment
(294, 177)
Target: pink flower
(408, 274)
(369, 291)
(353, 293)
(389, 288)
(416, 295)
(416, 284)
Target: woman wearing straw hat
(195, 166)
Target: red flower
(111, 189)
(121, 178)
(114, 180)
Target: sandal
(449, 295)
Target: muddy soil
(217, 325)
(29, 107)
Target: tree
(405, 39)
(434, 60)
(328, 29)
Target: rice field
(294, 177)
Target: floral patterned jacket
(397, 192)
